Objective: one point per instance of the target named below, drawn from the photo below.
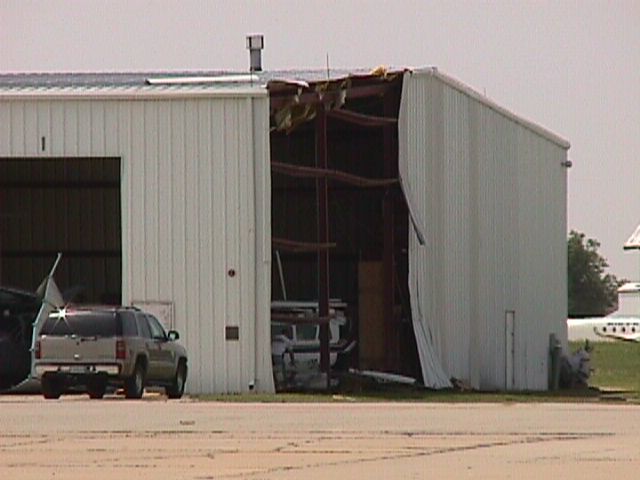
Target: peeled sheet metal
(634, 240)
(433, 375)
(488, 191)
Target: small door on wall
(509, 337)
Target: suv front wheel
(134, 385)
(176, 389)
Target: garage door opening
(68, 205)
(352, 123)
(51, 205)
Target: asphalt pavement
(114, 438)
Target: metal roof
(115, 79)
(61, 85)
(212, 83)
(119, 84)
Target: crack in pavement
(401, 456)
(296, 447)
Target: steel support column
(323, 238)
(391, 329)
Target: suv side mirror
(173, 335)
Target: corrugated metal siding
(420, 149)
(493, 194)
(195, 204)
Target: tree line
(592, 291)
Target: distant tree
(592, 292)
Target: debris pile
(575, 369)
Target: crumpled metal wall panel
(419, 171)
(490, 189)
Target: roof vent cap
(255, 44)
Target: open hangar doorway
(339, 219)
(51, 205)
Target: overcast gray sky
(570, 66)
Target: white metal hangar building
(436, 215)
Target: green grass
(615, 377)
(616, 367)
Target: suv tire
(176, 389)
(51, 388)
(134, 385)
(96, 388)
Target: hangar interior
(69, 205)
(51, 205)
(339, 219)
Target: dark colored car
(18, 310)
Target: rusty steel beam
(390, 167)
(280, 100)
(323, 237)
(296, 246)
(313, 172)
(361, 119)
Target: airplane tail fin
(51, 298)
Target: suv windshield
(82, 324)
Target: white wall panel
(135, 218)
(492, 190)
(17, 139)
(165, 199)
(31, 139)
(248, 230)
(5, 128)
(195, 204)
(421, 171)
(55, 139)
(43, 126)
(455, 215)
(84, 128)
(262, 265)
(219, 233)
